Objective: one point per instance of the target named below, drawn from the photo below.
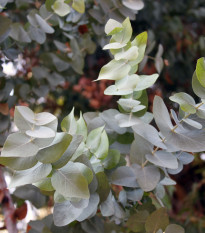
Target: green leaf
(86, 171)
(114, 45)
(32, 194)
(112, 159)
(45, 184)
(198, 89)
(59, 198)
(174, 228)
(69, 123)
(146, 81)
(61, 8)
(140, 41)
(81, 127)
(43, 24)
(143, 98)
(29, 176)
(18, 33)
(186, 102)
(112, 26)
(72, 148)
(130, 54)
(133, 4)
(163, 159)
(19, 145)
(94, 139)
(5, 23)
(125, 34)
(114, 70)
(200, 71)
(54, 151)
(70, 182)
(103, 147)
(79, 6)
(103, 188)
(136, 222)
(19, 163)
(124, 176)
(147, 177)
(49, 4)
(157, 220)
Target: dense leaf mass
(113, 164)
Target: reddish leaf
(21, 212)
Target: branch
(7, 205)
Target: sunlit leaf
(61, 8)
(200, 71)
(19, 145)
(29, 176)
(79, 6)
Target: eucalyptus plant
(53, 37)
(82, 165)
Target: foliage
(82, 165)
(53, 40)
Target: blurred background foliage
(55, 71)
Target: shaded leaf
(124, 176)
(157, 220)
(147, 177)
(174, 228)
(18, 33)
(103, 188)
(19, 163)
(54, 151)
(65, 213)
(163, 159)
(91, 209)
(136, 222)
